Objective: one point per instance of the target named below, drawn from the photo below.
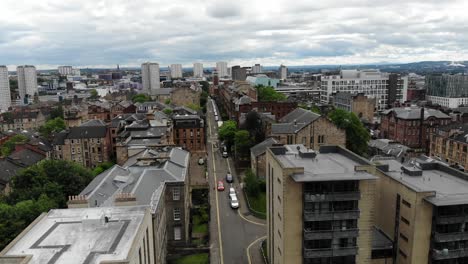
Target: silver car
(234, 201)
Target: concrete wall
(366, 220)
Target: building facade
(221, 68)
(5, 95)
(450, 144)
(150, 77)
(257, 68)
(320, 206)
(359, 104)
(238, 73)
(447, 90)
(412, 126)
(176, 71)
(65, 70)
(283, 72)
(27, 81)
(189, 132)
(197, 70)
(385, 88)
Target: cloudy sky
(97, 33)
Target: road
(231, 232)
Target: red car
(220, 186)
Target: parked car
(220, 186)
(232, 191)
(224, 151)
(201, 161)
(233, 201)
(229, 177)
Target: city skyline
(105, 33)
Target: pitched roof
(294, 121)
(415, 113)
(261, 147)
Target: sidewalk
(244, 209)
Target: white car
(201, 161)
(232, 191)
(233, 201)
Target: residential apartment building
(447, 90)
(99, 111)
(320, 206)
(238, 73)
(221, 68)
(157, 178)
(385, 88)
(197, 70)
(65, 70)
(186, 94)
(450, 145)
(27, 81)
(122, 107)
(257, 68)
(189, 132)
(150, 77)
(359, 104)
(416, 88)
(23, 119)
(283, 72)
(85, 235)
(308, 128)
(88, 144)
(5, 95)
(412, 126)
(176, 71)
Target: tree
(193, 107)
(93, 94)
(243, 142)
(141, 98)
(167, 101)
(8, 117)
(52, 126)
(56, 178)
(167, 111)
(227, 132)
(252, 186)
(268, 93)
(205, 86)
(101, 168)
(357, 135)
(8, 147)
(56, 112)
(254, 124)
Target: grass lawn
(202, 258)
(258, 203)
(198, 226)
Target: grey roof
(415, 113)
(87, 132)
(26, 157)
(294, 121)
(325, 166)
(59, 138)
(185, 109)
(380, 240)
(9, 170)
(151, 132)
(261, 147)
(93, 123)
(162, 91)
(145, 182)
(389, 147)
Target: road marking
(217, 202)
(248, 220)
(251, 244)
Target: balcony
(446, 237)
(449, 254)
(331, 215)
(343, 196)
(451, 219)
(329, 234)
(329, 252)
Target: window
(176, 214)
(279, 216)
(406, 203)
(279, 198)
(279, 250)
(404, 220)
(403, 237)
(279, 233)
(177, 233)
(279, 180)
(176, 194)
(321, 139)
(403, 254)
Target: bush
(252, 185)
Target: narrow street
(233, 233)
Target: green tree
(8, 117)
(167, 111)
(141, 98)
(56, 112)
(205, 86)
(56, 178)
(93, 94)
(268, 93)
(101, 168)
(167, 101)
(252, 186)
(193, 107)
(52, 126)
(357, 135)
(254, 124)
(227, 132)
(8, 147)
(243, 142)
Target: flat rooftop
(328, 164)
(450, 186)
(81, 235)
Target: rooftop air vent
(411, 171)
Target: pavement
(235, 235)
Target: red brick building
(412, 126)
(189, 132)
(99, 111)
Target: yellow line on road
(251, 244)
(217, 203)
(250, 221)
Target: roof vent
(411, 171)
(307, 154)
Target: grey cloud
(223, 10)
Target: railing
(329, 234)
(339, 196)
(448, 254)
(446, 237)
(451, 219)
(329, 252)
(331, 215)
